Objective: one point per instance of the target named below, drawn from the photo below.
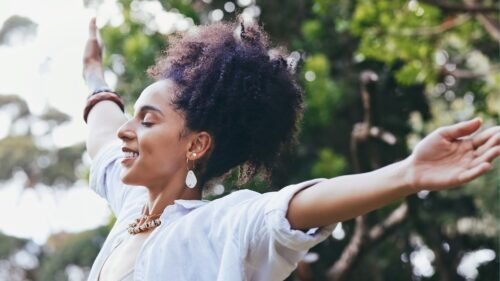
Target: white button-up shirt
(243, 236)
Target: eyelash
(147, 124)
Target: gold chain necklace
(144, 223)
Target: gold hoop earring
(191, 179)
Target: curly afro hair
(231, 85)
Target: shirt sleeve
(105, 177)
(279, 227)
(274, 248)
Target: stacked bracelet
(102, 95)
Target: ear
(199, 146)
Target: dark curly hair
(231, 85)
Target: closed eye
(147, 124)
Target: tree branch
(341, 269)
(382, 229)
(463, 74)
(465, 8)
(363, 240)
(491, 26)
(451, 23)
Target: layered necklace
(145, 223)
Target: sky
(46, 71)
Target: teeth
(130, 154)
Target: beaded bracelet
(98, 96)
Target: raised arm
(445, 158)
(105, 117)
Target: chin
(127, 178)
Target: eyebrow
(150, 108)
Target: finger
(461, 129)
(92, 29)
(475, 172)
(482, 137)
(488, 156)
(492, 141)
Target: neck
(160, 198)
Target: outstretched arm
(445, 158)
(105, 117)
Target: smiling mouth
(130, 155)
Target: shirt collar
(190, 204)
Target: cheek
(162, 153)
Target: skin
(158, 133)
(165, 147)
(448, 157)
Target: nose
(126, 132)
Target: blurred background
(378, 76)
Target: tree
(378, 75)
(27, 148)
(17, 28)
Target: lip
(127, 162)
(127, 149)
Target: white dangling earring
(190, 177)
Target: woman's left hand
(450, 156)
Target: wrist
(95, 80)
(410, 181)
(396, 179)
(94, 68)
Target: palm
(445, 158)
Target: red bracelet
(98, 97)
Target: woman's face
(155, 145)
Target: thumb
(461, 129)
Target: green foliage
(130, 52)
(54, 117)
(322, 92)
(434, 65)
(393, 31)
(17, 153)
(22, 151)
(9, 245)
(16, 25)
(312, 30)
(22, 109)
(62, 171)
(328, 165)
(76, 249)
(185, 7)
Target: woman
(221, 102)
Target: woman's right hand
(93, 72)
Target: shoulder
(238, 196)
(274, 199)
(234, 200)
